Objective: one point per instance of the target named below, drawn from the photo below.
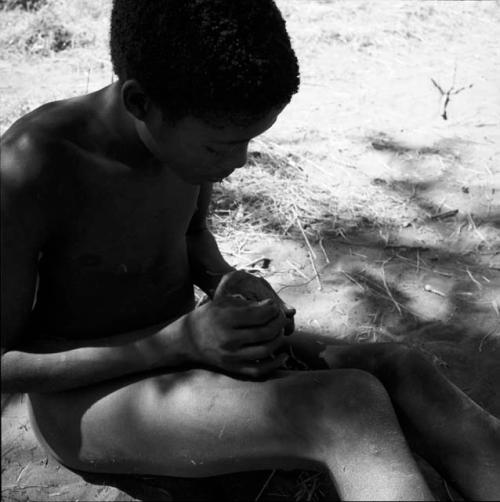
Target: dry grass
(289, 195)
(54, 52)
(272, 195)
(54, 27)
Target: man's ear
(136, 101)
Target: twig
(442, 216)
(448, 490)
(473, 279)
(299, 285)
(445, 95)
(474, 227)
(22, 472)
(437, 86)
(485, 337)
(430, 289)
(428, 269)
(297, 269)
(351, 278)
(407, 248)
(396, 304)
(311, 251)
(323, 249)
(221, 432)
(444, 274)
(361, 255)
(264, 486)
(89, 72)
(495, 307)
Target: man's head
(211, 59)
(201, 78)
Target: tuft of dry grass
(52, 27)
(54, 51)
(275, 194)
(27, 5)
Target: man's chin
(190, 180)
(197, 181)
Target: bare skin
(123, 374)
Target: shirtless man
(104, 199)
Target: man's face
(199, 152)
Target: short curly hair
(207, 58)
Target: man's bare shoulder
(34, 145)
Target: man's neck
(121, 124)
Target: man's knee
(348, 397)
(335, 408)
(360, 395)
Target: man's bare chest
(119, 256)
(125, 221)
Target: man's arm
(57, 365)
(207, 264)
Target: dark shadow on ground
(412, 156)
(383, 142)
(264, 486)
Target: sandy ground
(368, 116)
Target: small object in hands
(430, 289)
(241, 284)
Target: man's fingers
(261, 334)
(262, 351)
(289, 310)
(259, 368)
(257, 313)
(289, 326)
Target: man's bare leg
(198, 423)
(459, 438)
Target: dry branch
(446, 95)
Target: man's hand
(241, 284)
(238, 336)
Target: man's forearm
(206, 261)
(57, 365)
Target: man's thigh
(190, 423)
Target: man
(105, 200)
